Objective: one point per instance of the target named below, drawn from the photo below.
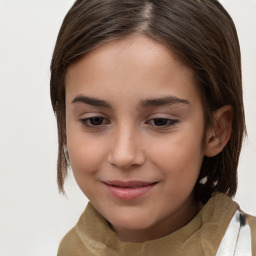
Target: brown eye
(163, 122)
(94, 121)
(97, 120)
(160, 121)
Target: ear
(217, 136)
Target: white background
(33, 216)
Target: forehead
(135, 65)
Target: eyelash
(167, 122)
(87, 122)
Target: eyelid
(90, 114)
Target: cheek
(85, 152)
(179, 157)
(86, 160)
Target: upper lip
(128, 184)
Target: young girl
(148, 100)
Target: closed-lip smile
(128, 190)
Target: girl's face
(135, 126)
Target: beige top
(201, 236)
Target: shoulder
(88, 237)
(71, 245)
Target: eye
(162, 122)
(94, 122)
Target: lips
(128, 190)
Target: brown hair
(203, 36)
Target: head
(202, 36)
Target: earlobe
(217, 136)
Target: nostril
(125, 159)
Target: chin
(132, 225)
(131, 221)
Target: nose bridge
(126, 147)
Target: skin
(160, 143)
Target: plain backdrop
(33, 216)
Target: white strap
(237, 239)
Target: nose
(127, 149)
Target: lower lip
(128, 194)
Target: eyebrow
(169, 100)
(91, 101)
